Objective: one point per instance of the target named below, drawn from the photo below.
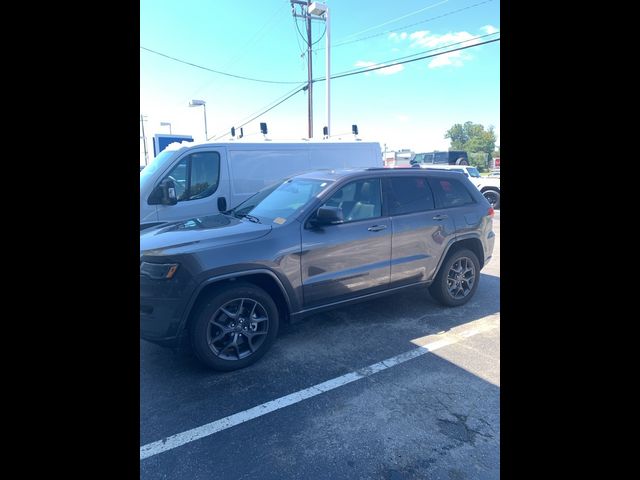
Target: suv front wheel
(235, 327)
(457, 280)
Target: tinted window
(359, 200)
(451, 193)
(196, 176)
(408, 195)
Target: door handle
(377, 228)
(440, 217)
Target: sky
(410, 105)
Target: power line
(407, 26)
(430, 50)
(378, 67)
(269, 106)
(346, 74)
(212, 70)
(370, 69)
(398, 18)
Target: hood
(212, 230)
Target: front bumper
(163, 306)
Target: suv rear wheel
(457, 280)
(493, 197)
(235, 327)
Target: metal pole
(328, 70)
(309, 71)
(144, 139)
(206, 135)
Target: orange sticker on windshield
(279, 220)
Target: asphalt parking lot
(396, 388)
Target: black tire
(493, 197)
(461, 161)
(223, 336)
(454, 285)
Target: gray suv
(223, 283)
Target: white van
(192, 180)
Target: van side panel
(345, 156)
(253, 169)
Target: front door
(352, 258)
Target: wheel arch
(471, 242)
(265, 279)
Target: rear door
(420, 230)
(457, 203)
(349, 259)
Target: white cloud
(390, 70)
(489, 29)
(453, 59)
(423, 39)
(382, 71)
(426, 39)
(401, 117)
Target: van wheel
(493, 197)
(457, 280)
(235, 327)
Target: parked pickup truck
(489, 186)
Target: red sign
(497, 162)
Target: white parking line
(197, 433)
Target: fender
(217, 278)
(451, 243)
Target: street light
(166, 124)
(197, 103)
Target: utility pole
(144, 138)
(309, 73)
(308, 16)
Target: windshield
(156, 163)
(473, 172)
(280, 202)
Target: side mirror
(328, 216)
(168, 189)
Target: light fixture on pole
(166, 124)
(197, 103)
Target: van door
(201, 180)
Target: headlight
(158, 271)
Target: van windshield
(285, 200)
(158, 162)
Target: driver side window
(196, 176)
(358, 200)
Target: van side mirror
(168, 189)
(328, 216)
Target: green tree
(472, 137)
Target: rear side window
(450, 192)
(408, 195)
